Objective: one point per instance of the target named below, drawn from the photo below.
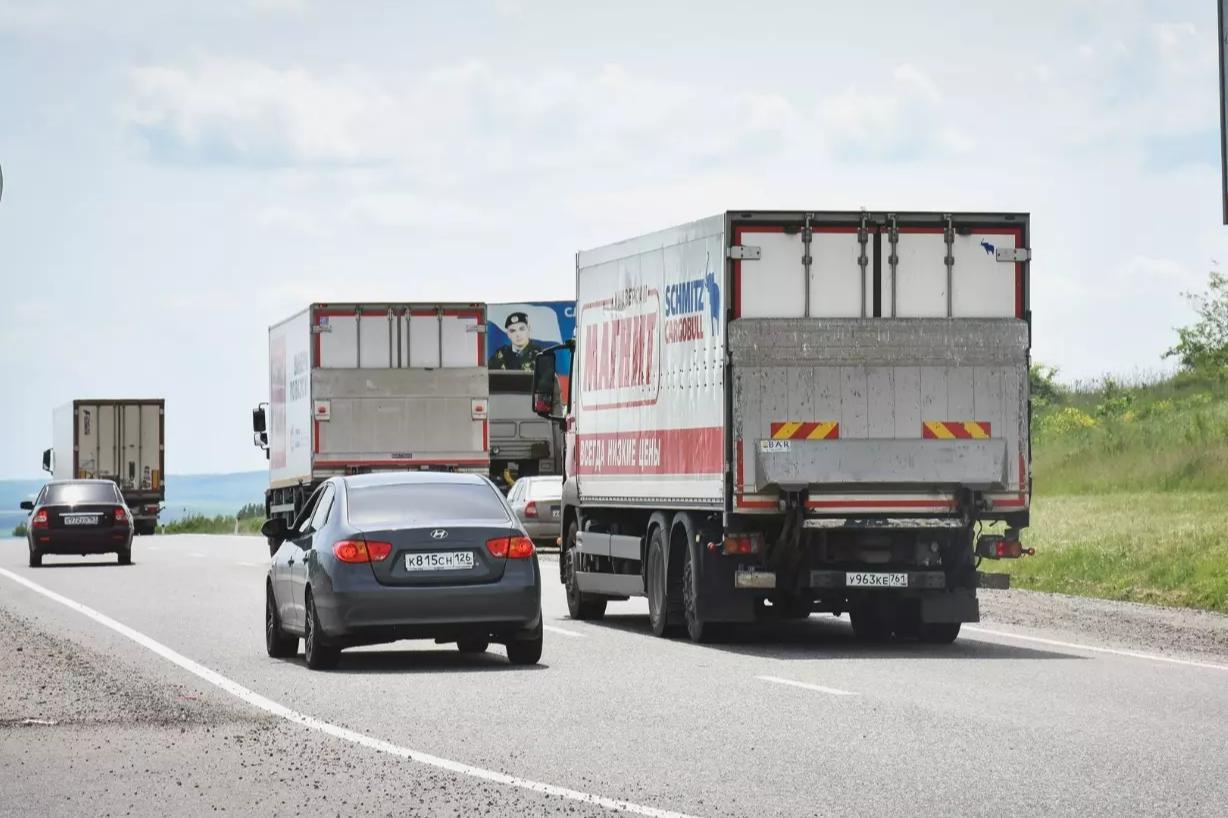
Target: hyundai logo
(439, 534)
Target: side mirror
(48, 461)
(544, 384)
(27, 505)
(275, 529)
(258, 421)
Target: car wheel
(319, 656)
(579, 604)
(472, 645)
(938, 633)
(526, 651)
(871, 622)
(657, 584)
(125, 557)
(36, 558)
(696, 628)
(277, 642)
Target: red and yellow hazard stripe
(798, 430)
(955, 429)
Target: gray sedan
(381, 557)
(536, 501)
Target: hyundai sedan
(380, 557)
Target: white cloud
(918, 81)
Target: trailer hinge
(1013, 254)
(744, 252)
(948, 235)
(863, 260)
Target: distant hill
(209, 494)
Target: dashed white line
(562, 631)
(269, 706)
(196, 554)
(253, 564)
(1151, 657)
(834, 691)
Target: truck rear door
(879, 363)
(400, 386)
(120, 441)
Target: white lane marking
(562, 632)
(269, 706)
(196, 554)
(253, 564)
(834, 691)
(1074, 646)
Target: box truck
(777, 413)
(120, 440)
(356, 388)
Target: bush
(20, 530)
(251, 511)
(1203, 346)
(1043, 384)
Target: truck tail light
(40, 519)
(512, 548)
(994, 547)
(121, 516)
(530, 509)
(743, 544)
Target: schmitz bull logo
(687, 303)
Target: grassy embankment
(247, 521)
(1131, 494)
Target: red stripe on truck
(695, 451)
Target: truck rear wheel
(579, 604)
(938, 633)
(696, 628)
(657, 583)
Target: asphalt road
(1051, 706)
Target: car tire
(472, 645)
(319, 656)
(278, 643)
(938, 633)
(526, 651)
(125, 556)
(656, 583)
(579, 604)
(871, 622)
(36, 558)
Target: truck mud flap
(954, 606)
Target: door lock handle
(290, 561)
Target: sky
(177, 177)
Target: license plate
(439, 561)
(861, 579)
(554, 512)
(80, 519)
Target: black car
(79, 517)
(380, 557)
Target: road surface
(145, 690)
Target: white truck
(356, 388)
(120, 440)
(779, 413)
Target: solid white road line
(562, 632)
(269, 706)
(834, 691)
(253, 564)
(1151, 657)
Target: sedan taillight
(512, 548)
(530, 509)
(121, 516)
(40, 519)
(358, 551)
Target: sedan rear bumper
(379, 613)
(543, 530)
(84, 541)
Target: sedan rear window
(546, 489)
(410, 503)
(72, 493)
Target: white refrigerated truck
(357, 388)
(779, 413)
(120, 440)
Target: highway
(146, 690)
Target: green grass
(1167, 548)
(221, 524)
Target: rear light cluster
(530, 509)
(40, 519)
(739, 544)
(359, 551)
(999, 548)
(121, 516)
(512, 548)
